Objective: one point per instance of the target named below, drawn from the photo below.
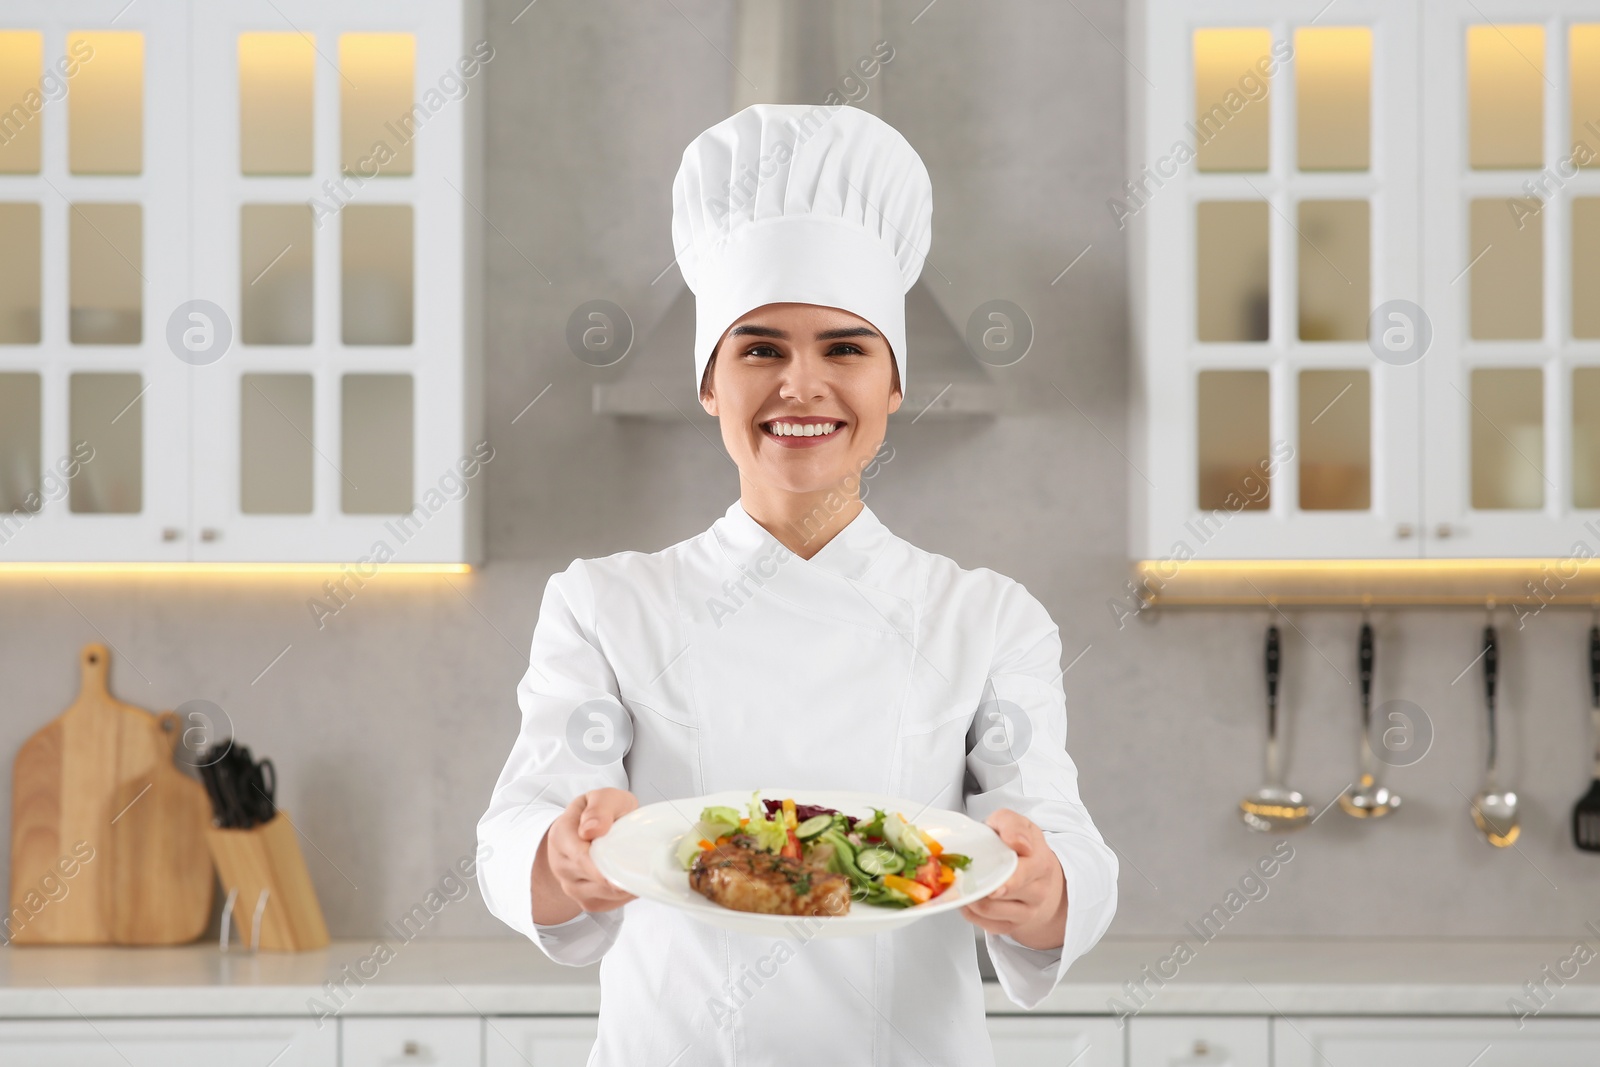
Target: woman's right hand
(565, 879)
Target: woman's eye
(762, 350)
(843, 349)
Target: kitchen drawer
(1435, 1042)
(1046, 1041)
(1199, 1041)
(542, 1042)
(169, 1043)
(412, 1041)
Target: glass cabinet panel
(106, 414)
(20, 425)
(1333, 87)
(275, 255)
(1508, 272)
(1335, 254)
(1505, 96)
(1234, 439)
(1507, 438)
(19, 274)
(377, 268)
(1586, 437)
(1231, 104)
(1335, 440)
(106, 248)
(105, 103)
(377, 447)
(1231, 288)
(276, 76)
(1583, 67)
(275, 428)
(376, 124)
(21, 65)
(1585, 267)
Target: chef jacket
(737, 664)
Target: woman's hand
(1031, 908)
(565, 879)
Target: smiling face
(803, 394)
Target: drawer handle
(411, 1048)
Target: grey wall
(391, 723)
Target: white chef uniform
(737, 664)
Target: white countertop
(511, 977)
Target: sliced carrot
(704, 844)
(927, 839)
(915, 890)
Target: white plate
(638, 854)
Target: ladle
(1366, 798)
(1274, 808)
(1494, 810)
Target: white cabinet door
(1503, 286)
(1260, 251)
(549, 1042)
(112, 264)
(412, 1041)
(1029, 1041)
(169, 1043)
(337, 421)
(1435, 1043)
(1199, 1042)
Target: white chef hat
(800, 203)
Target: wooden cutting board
(107, 835)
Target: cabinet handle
(411, 1048)
(1404, 530)
(210, 533)
(1443, 530)
(170, 533)
(1201, 1049)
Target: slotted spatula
(1586, 814)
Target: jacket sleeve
(545, 771)
(1025, 767)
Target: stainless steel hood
(800, 51)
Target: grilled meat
(745, 878)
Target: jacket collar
(852, 552)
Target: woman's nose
(805, 378)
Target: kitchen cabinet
(517, 1041)
(1199, 1041)
(1317, 1042)
(242, 265)
(169, 1042)
(411, 1041)
(1362, 278)
(1055, 1041)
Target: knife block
(268, 857)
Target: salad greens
(889, 861)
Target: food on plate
(740, 876)
(784, 858)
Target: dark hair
(705, 379)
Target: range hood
(800, 51)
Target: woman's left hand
(1031, 907)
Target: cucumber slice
(877, 861)
(813, 827)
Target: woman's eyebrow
(752, 330)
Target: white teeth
(797, 429)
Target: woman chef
(795, 644)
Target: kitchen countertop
(511, 977)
